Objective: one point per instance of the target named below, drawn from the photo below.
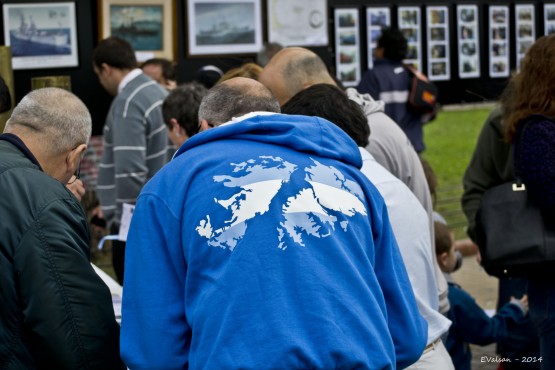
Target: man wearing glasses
(55, 312)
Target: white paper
(127, 213)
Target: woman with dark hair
(529, 121)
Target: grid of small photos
(499, 41)
(376, 19)
(468, 41)
(409, 25)
(347, 65)
(525, 30)
(438, 43)
(549, 18)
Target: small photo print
(409, 18)
(347, 56)
(411, 34)
(347, 38)
(468, 49)
(499, 67)
(439, 68)
(550, 13)
(524, 14)
(468, 15)
(467, 33)
(412, 52)
(375, 35)
(469, 66)
(499, 33)
(524, 30)
(437, 17)
(347, 20)
(379, 18)
(499, 49)
(437, 34)
(499, 16)
(523, 46)
(438, 51)
(348, 73)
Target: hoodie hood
(366, 102)
(301, 133)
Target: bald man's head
(234, 98)
(292, 70)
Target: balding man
(56, 313)
(272, 251)
(294, 69)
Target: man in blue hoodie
(262, 245)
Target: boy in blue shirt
(470, 323)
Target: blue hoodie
(262, 245)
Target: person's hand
(76, 187)
(479, 257)
(522, 303)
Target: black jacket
(55, 312)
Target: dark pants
(118, 255)
(541, 296)
(522, 339)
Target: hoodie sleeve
(473, 325)
(155, 333)
(407, 327)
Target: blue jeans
(541, 297)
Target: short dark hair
(115, 52)
(442, 237)
(182, 104)
(394, 44)
(331, 103)
(168, 68)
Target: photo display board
(376, 19)
(438, 43)
(409, 20)
(347, 46)
(525, 30)
(468, 41)
(499, 41)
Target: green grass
(450, 140)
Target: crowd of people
(280, 220)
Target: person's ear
(73, 158)
(176, 127)
(443, 259)
(204, 125)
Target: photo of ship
(227, 24)
(140, 25)
(28, 39)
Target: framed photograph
(468, 41)
(499, 41)
(347, 46)
(549, 18)
(439, 66)
(41, 35)
(525, 30)
(217, 27)
(376, 19)
(298, 23)
(148, 26)
(409, 21)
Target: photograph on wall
(347, 46)
(499, 41)
(438, 43)
(224, 27)
(468, 41)
(409, 24)
(148, 26)
(525, 30)
(298, 23)
(41, 35)
(376, 19)
(549, 18)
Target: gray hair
(56, 115)
(225, 101)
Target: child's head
(445, 247)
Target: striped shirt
(135, 145)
